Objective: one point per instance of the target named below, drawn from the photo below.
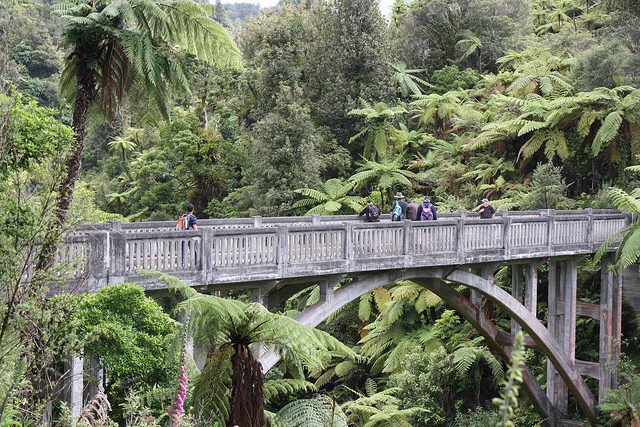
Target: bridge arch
(433, 279)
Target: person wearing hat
(486, 211)
(399, 208)
(371, 211)
(426, 210)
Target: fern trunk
(85, 94)
(247, 398)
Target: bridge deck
(242, 250)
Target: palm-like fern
(378, 408)
(398, 327)
(380, 132)
(384, 175)
(319, 411)
(406, 80)
(628, 252)
(438, 110)
(486, 172)
(473, 351)
(332, 200)
(470, 44)
(227, 330)
(128, 46)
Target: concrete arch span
(432, 279)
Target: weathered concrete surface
(278, 256)
(229, 252)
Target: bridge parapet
(254, 249)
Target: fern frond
(285, 386)
(608, 130)
(320, 411)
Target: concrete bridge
(276, 257)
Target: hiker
(371, 211)
(399, 208)
(486, 211)
(426, 210)
(187, 221)
(412, 210)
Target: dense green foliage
(128, 335)
(533, 104)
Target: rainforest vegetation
(127, 110)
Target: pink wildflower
(175, 411)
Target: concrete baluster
(550, 213)
(207, 254)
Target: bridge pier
(561, 324)
(610, 317)
(75, 384)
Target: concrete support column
(531, 288)
(258, 295)
(96, 379)
(486, 272)
(610, 325)
(76, 386)
(517, 293)
(562, 324)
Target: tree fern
(330, 201)
(608, 130)
(319, 411)
(227, 329)
(628, 251)
(378, 409)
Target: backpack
(374, 214)
(396, 213)
(184, 222)
(427, 212)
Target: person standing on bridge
(188, 221)
(412, 210)
(399, 208)
(486, 211)
(426, 210)
(371, 211)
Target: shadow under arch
(432, 279)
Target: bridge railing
(246, 249)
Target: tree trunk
(85, 93)
(247, 399)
